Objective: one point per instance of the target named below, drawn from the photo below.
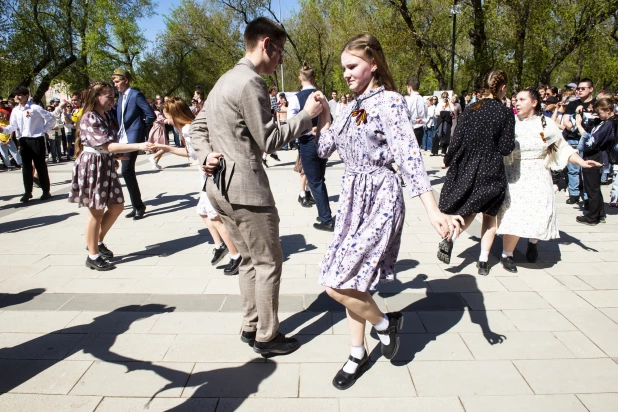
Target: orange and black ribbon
(361, 116)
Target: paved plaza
(161, 332)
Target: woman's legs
(509, 243)
(361, 303)
(157, 156)
(93, 227)
(219, 227)
(211, 229)
(109, 217)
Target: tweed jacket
(236, 120)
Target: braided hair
(492, 83)
(536, 96)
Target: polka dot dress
(95, 183)
(476, 181)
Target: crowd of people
(505, 158)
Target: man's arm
(48, 118)
(255, 109)
(12, 126)
(149, 116)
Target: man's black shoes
(139, 213)
(26, 197)
(572, 200)
(326, 227)
(248, 338)
(280, 345)
(46, 196)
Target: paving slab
(112, 322)
(48, 377)
(33, 302)
(34, 321)
(37, 346)
(188, 303)
(198, 323)
(528, 403)
(602, 402)
(10, 402)
(205, 348)
(277, 405)
(539, 320)
(426, 404)
(94, 302)
(517, 345)
(122, 348)
(599, 328)
(111, 404)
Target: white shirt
(431, 115)
(122, 134)
(417, 106)
(332, 105)
(294, 105)
(30, 121)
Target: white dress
(204, 207)
(529, 208)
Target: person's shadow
(439, 312)
(13, 299)
(33, 222)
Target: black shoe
(445, 248)
(265, 162)
(395, 324)
(483, 268)
(139, 213)
(344, 380)
(532, 253)
(45, 196)
(508, 263)
(26, 197)
(130, 214)
(36, 182)
(218, 254)
(248, 337)
(280, 345)
(104, 251)
(572, 200)
(326, 227)
(585, 221)
(99, 264)
(309, 197)
(232, 268)
(274, 156)
(303, 201)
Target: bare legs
(98, 224)
(488, 231)
(157, 156)
(360, 307)
(219, 233)
(303, 182)
(509, 243)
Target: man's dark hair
(554, 90)
(414, 83)
(260, 28)
(587, 80)
(21, 91)
(76, 93)
(334, 91)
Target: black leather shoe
(46, 196)
(532, 252)
(572, 200)
(26, 197)
(232, 268)
(326, 227)
(344, 380)
(445, 248)
(395, 324)
(139, 213)
(219, 254)
(483, 268)
(280, 345)
(508, 263)
(274, 156)
(585, 221)
(104, 251)
(130, 214)
(303, 201)
(248, 337)
(99, 264)
(309, 197)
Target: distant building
(61, 90)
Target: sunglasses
(579, 89)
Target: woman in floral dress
(529, 208)
(95, 183)
(370, 135)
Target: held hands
(146, 146)
(447, 226)
(212, 162)
(156, 147)
(313, 105)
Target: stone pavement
(161, 331)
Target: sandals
(445, 248)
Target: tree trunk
(522, 12)
(50, 76)
(478, 39)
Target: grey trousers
(255, 232)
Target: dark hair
(200, 92)
(586, 80)
(260, 28)
(271, 89)
(369, 48)
(554, 90)
(414, 83)
(21, 91)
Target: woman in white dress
(529, 209)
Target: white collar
(126, 92)
(308, 87)
(27, 106)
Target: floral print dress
(371, 208)
(95, 183)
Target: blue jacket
(137, 115)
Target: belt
(94, 150)
(368, 170)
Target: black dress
(476, 181)
(443, 131)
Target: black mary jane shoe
(99, 264)
(395, 324)
(344, 380)
(104, 251)
(532, 252)
(483, 268)
(508, 263)
(248, 337)
(445, 248)
(233, 267)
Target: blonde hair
(368, 48)
(89, 97)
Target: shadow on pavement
(11, 299)
(33, 222)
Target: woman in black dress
(476, 182)
(443, 127)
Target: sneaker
(104, 251)
(483, 268)
(218, 254)
(532, 252)
(280, 345)
(508, 263)
(99, 264)
(344, 380)
(155, 165)
(395, 324)
(26, 197)
(232, 267)
(274, 156)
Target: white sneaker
(155, 165)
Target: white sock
(484, 256)
(93, 257)
(236, 256)
(357, 352)
(533, 241)
(220, 246)
(303, 194)
(506, 254)
(380, 326)
(264, 156)
(100, 243)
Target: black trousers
(32, 150)
(315, 170)
(128, 174)
(418, 132)
(592, 186)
